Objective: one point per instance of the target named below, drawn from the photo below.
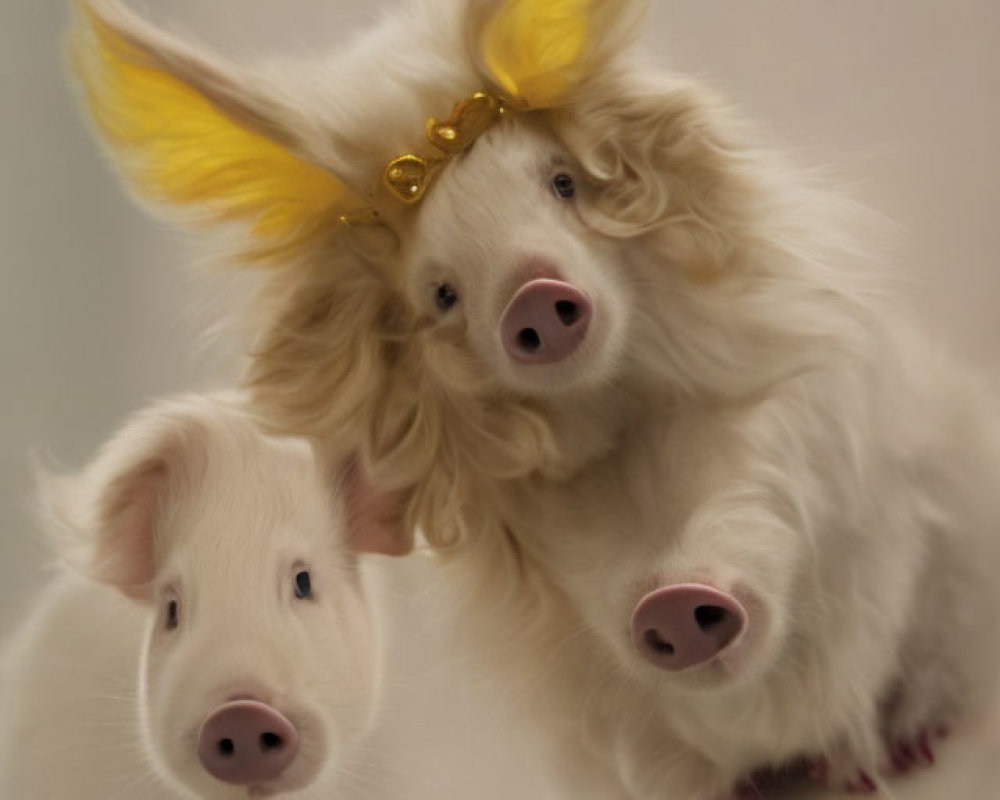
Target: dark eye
(445, 297)
(562, 185)
(173, 615)
(303, 584)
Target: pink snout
(545, 322)
(244, 742)
(680, 626)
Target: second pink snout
(681, 626)
(545, 322)
(245, 742)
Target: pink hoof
(916, 753)
(862, 783)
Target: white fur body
(779, 429)
(873, 552)
(748, 410)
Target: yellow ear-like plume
(538, 50)
(186, 133)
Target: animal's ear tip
(539, 51)
(95, 35)
(94, 17)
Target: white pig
(711, 500)
(213, 639)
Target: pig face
(603, 252)
(500, 261)
(259, 673)
(254, 601)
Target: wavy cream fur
(749, 410)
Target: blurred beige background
(901, 98)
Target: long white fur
(750, 409)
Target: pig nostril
(545, 322)
(709, 616)
(657, 644)
(568, 312)
(246, 743)
(529, 340)
(679, 626)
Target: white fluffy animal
(703, 489)
(215, 639)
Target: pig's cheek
(161, 704)
(472, 342)
(349, 671)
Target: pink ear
(374, 517)
(128, 512)
(152, 460)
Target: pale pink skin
(208, 526)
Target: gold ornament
(408, 176)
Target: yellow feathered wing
(179, 147)
(538, 50)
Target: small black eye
(173, 615)
(303, 584)
(445, 297)
(562, 185)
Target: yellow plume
(538, 50)
(179, 146)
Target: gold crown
(408, 176)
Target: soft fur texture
(748, 411)
(190, 505)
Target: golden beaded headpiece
(185, 137)
(535, 50)
(408, 176)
